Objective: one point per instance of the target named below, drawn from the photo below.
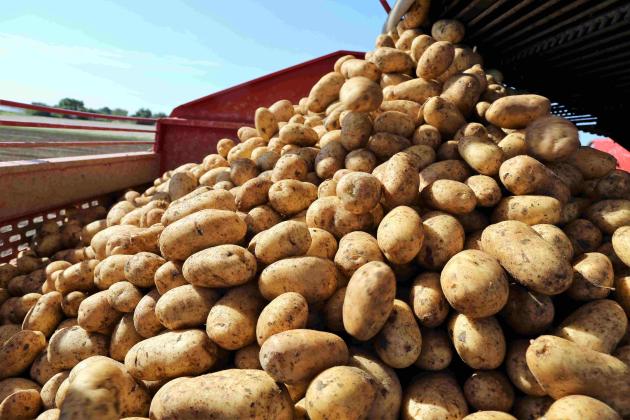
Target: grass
(28, 134)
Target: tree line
(77, 105)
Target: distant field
(28, 134)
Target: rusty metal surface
(576, 52)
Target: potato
(211, 199)
(19, 351)
(45, 315)
(231, 393)
(385, 145)
(582, 407)
(584, 236)
(288, 311)
(517, 111)
(592, 163)
(168, 276)
(134, 240)
(415, 90)
(325, 91)
(399, 185)
(41, 370)
(291, 196)
(329, 160)
(356, 67)
(518, 371)
(486, 190)
(621, 244)
(124, 336)
(483, 155)
(247, 357)
(448, 30)
(14, 310)
(224, 146)
(323, 244)
(479, 342)
(19, 399)
(296, 355)
(111, 270)
(215, 176)
(463, 90)
(564, 368)
(435, 59)
(220, 266)
(391, 60)
(395, 122)
(489, 415)
(400, 235)
(527, 257)
(399, 342)
(528, 312)
(474, 284)
(170, 355)
(427, 135)
(350, 395)
(592, 277)
(200, 230)
(123, 296)
(551, 138)
(449, 196)
(355, 250)
(360, 94)
(145, 321)
(555, 236)
(242, 150)
(369, 299)
(434, 396)
(529, 209)
(69, 346)
(7, 272)
(598, 325)
(455, 170)
(96, 313)
(298, 134)
(70, 303)
(265, 122)
(356, 128)
(286, 239)
(436, 353)
(185, 306)
(79, 276)
(614, 185)
(427, 300)
(489, 390)
(443, 115)
(231, 323)
(609, 215)
(443, 238)
(49, 389)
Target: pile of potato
(411, 240)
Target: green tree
(104, 110)
(159, 115)
(143, 113)
(71, 104)
(38, 113)
(119, 111)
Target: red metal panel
(70, 127)
(35, 145)
(195, 127)
(62, 111)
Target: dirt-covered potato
(169, 276)
(391, 60)
(286, 239)
(593, 277)
(529, 209)
(288, 311)
(427, 300)
(474, 284)
(555, 236)
(69, 346)
(443, 238)
(399, 342)
(398, 180)
(528, 312)
(231, 393)
(261, 218)
(483, 155)
(19, 351)
(323, 244)
(518, 371)
(341, 392)
(360, 94)
(290, 196)
(527, 257)
(45, 315)
(220, 266)
(489, 390)
(564, 368)
(49, 389)
(455, 170)
(599, 325)
(480, 343)
(96, 314)
(449, 196)
(19, 399)
(609, 215)
(313, 277)
(203, 229)
(415, 90)
(443, 115)
(296, 355)
(356, 249)
(434, 396)
(448, 30)
(124, 336)
(369, 299)
(400, 235)
(231, 322)
(356, 128)
(517, 111)
(435, 60)
(171, 355)
(551, 138)
(621, 244)
(359, 192)
(111, 270)
(144, 319)
(580, 407)
(185, 306)
(486, 190)
(79, 276)
(592, 163)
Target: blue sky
(159, 54)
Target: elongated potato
(527, 257)
(483, 155)
(297, 355)
(290, 196)
(124, 337)
(312, 277)
(399, 184)
(69, 346)
(289, 311)
(564, 368)
(391, 60)
(443, 115)
(144, 319)
(593, 277)
(434, 396)
(399, 342)
(45, 315)
(170, 355)
(400, 235)
(325, 91)
(211, 199)
(582, 407)
(286, 239)
(450, 196)
(360, 94)
(435, 59)
(480, 343)
(518, 371)
(185, 306)
(200, 230)
(528, 312)
(227, 394)
(220, 266)
(18, 352)
(427, 300)
(529, 209)
(443, 238)
(609, 215)
(517, 111)
(369, 299)
(463, 90)
(598, 325)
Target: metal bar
(576, 51)
(486, 12)
(62, 111)
(504, 16)
(546, 5)
(71, 127)
(204, 123)
(466, 9)
(33, 145)
(386, 6)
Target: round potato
(443, 115)
(551, 138)
(517, 111)
(399, 342)
(443, 238)
(528, 312)
(449, 196)
(123, 296)
(355, 250)
(360, 94)
(434, 396)
(436, 353)
(96, 314)
(359, 192)
(427, 299)
(474, 284)
(480, 343)
(69, 346)
(289, 311)
(489, 390)
(483, 155)
(593, 277)
(323, 244)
